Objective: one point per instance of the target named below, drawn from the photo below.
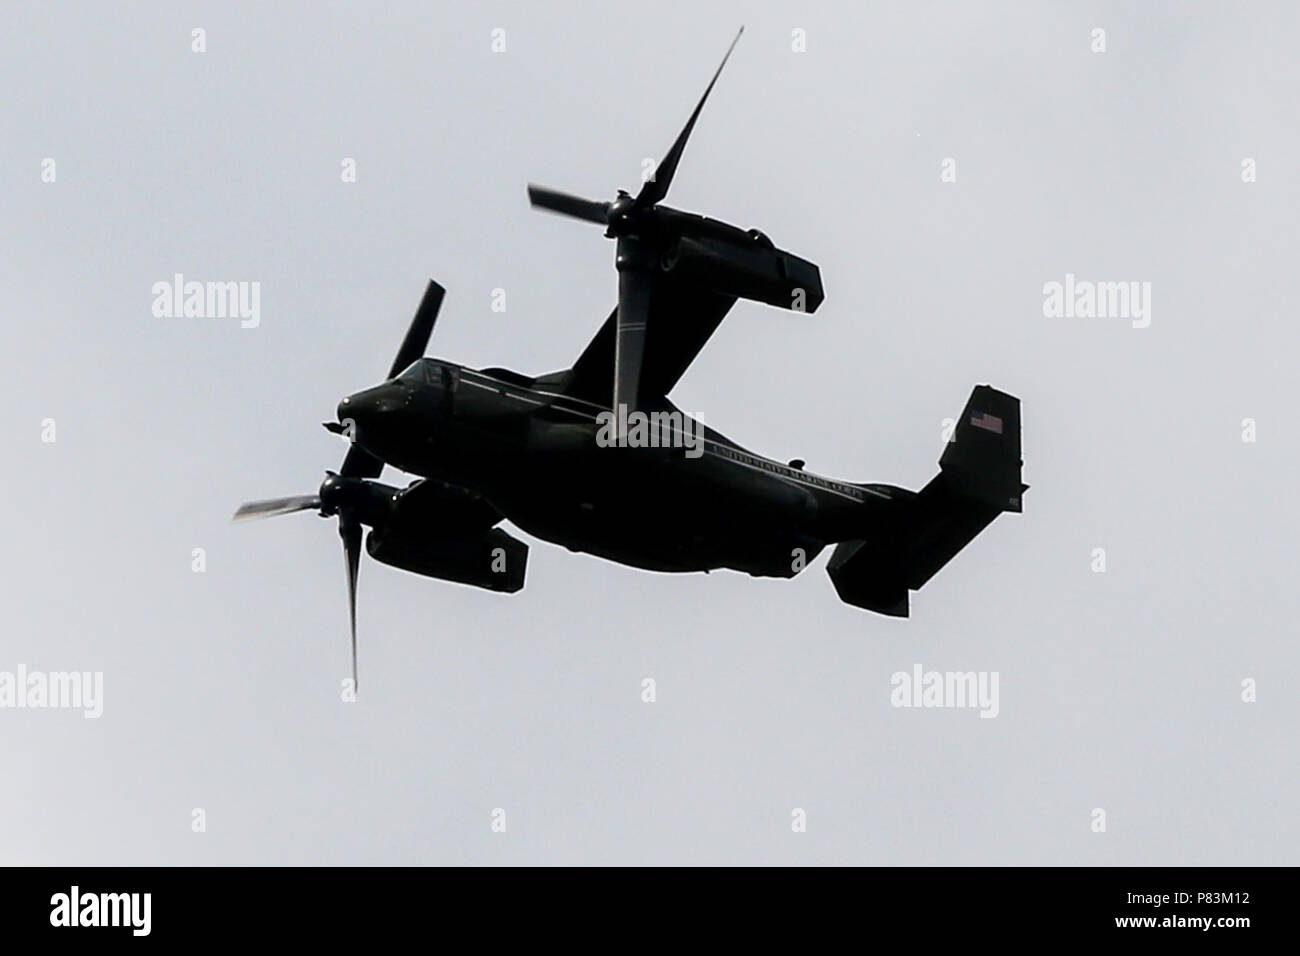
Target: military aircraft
(597, 458)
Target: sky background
(1119, 690)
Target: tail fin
(983, 459)
(979, 478)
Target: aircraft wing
(683, 314)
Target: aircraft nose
(366, 406)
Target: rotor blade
(275, 506)
(417, 336)
(350, 532)
(657, 188)
(630, 325)
(568, 205)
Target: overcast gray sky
(1119, 690)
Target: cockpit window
(420, 372)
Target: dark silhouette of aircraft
(597, 459)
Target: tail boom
(979, 479)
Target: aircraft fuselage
(553, 466)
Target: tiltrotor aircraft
(597, 459)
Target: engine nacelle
(491, 560)
(750, 269)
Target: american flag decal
(990, 423)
